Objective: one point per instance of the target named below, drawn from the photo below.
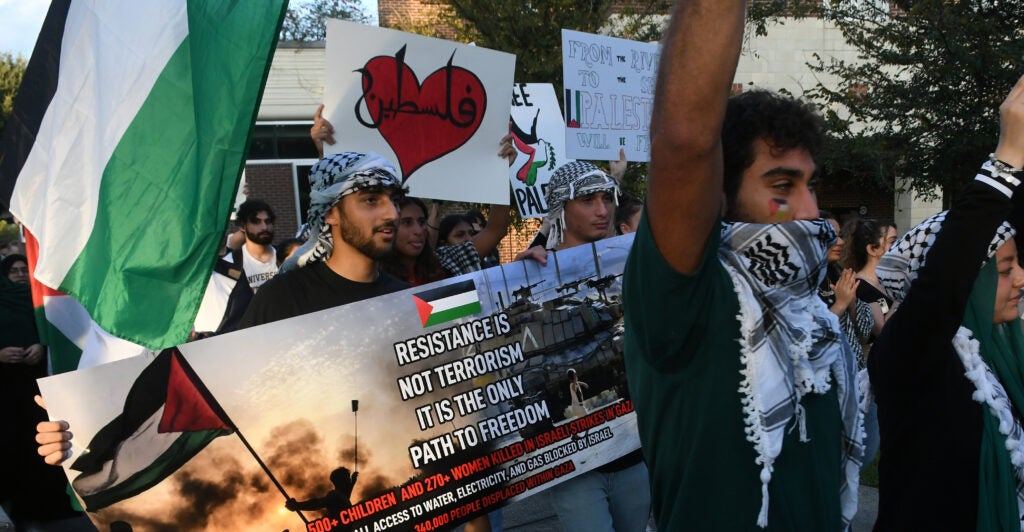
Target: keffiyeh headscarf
(791, 344)
(899, 266)
(993, 359)
(330, 179)
(573, 180)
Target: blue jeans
(604, 502)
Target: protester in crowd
(257, 256)
(867, 245)
(15, 268)
(946, 370)
(581, 202)
(869, 240)
(839, 291)
(724, 328)
(454, 230)
(617, 169)
(412, 259)
(32, 493)
(627, 215)
(891, 234)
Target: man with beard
(729, 350)
(352, 220)
(258, 258)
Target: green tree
(921, 102)
(304, 20)
(12, 68)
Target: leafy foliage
(305, 21)
(12, 68)
(922, 100)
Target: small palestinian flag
(169, 416)
(447, 303)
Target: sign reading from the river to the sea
(449, 400)
(436, 109)
(609, 91)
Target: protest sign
(434, 108)
(539, 137)
(609, 92)
(449, 400)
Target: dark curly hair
(250, 208)
(785, 123)
(426, 267)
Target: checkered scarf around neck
(330, 179)
(574, 180)
(791, 344)
(993, 359)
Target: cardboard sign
(449, 399)
(539, 137)
(609, 93)
(434, 108)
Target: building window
(282, 140)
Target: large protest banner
(539, 137)
(435, 108)
(609, 92)
(449, 400)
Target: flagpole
(267, 471)
(214, 404)
(355, 413)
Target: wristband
(1000, 176)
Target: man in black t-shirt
(352, 215)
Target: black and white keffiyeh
(573, 180)
(791, 344)
(332, 178)
(899, 266)
(898, 269)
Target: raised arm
(698, 62)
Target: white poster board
(609, 92)
(435, 108)
(539, 137)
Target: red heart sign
(421, 122)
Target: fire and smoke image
(350, 411)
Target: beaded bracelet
(1004, 170)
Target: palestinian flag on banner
(125, 147)
(169, 416)
(447, 303)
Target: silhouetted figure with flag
(335, 500)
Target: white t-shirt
(257, 271)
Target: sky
(20, 21)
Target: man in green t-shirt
(743, 386)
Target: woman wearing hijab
(32, 492)
(947, 371)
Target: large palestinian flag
(125, 147)
(168, 417)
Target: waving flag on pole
(169, 416)
(125, 147)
